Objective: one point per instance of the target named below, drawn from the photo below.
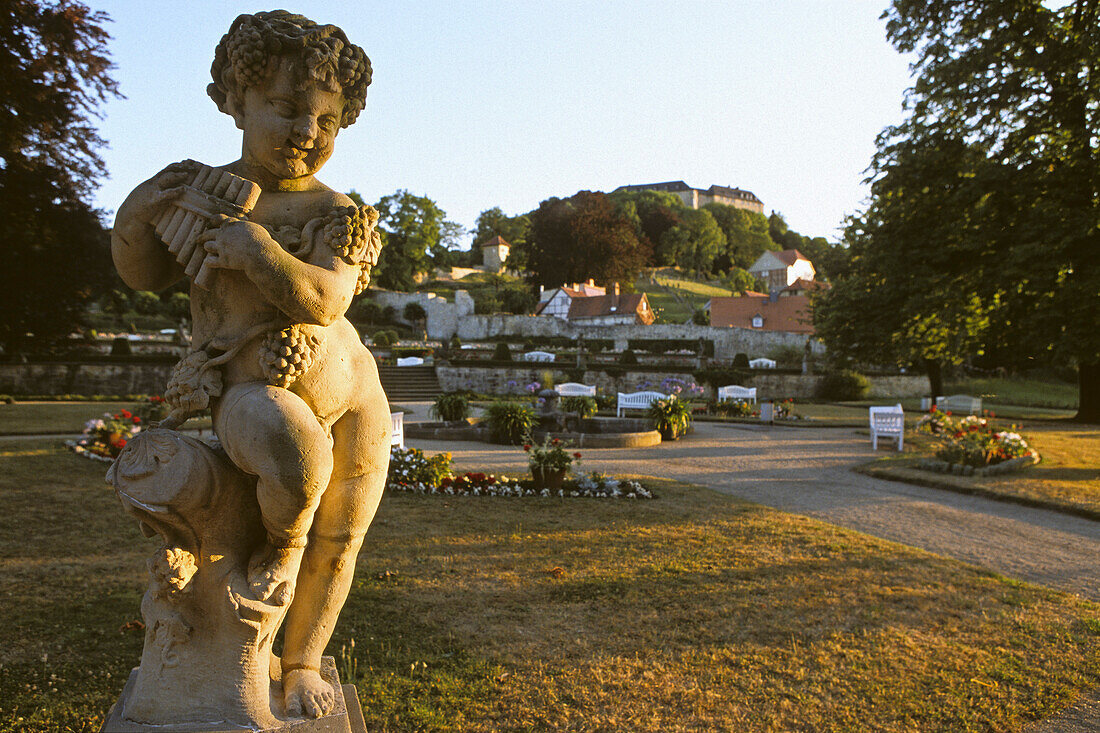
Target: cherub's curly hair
(244, 55)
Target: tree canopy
(581, 237)
(1012, 90)
(416, 236)
(54, 75)
(512, 229)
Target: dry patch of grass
(1067, 478)
(690, 612)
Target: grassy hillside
(674, 295)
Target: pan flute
(210, 193)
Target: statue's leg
(361, 457)
(272, 434)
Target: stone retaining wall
(496, 380)
(57, 378)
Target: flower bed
(973, 445)
(412, 471)
(104, 438)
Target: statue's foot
(272, 572)
(305, 694)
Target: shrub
(451, 407)
(509, 422)
(627, 358)
(411, 466)
(414, 313)
(721, 376)
(501, 352)
(384, 338)
(671, 417)
(845, 386)
(455, 342)
(741, 361)
(121, 347)
(580, 405)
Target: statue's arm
(141, 258)
(318, 291)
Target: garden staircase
(409, 384)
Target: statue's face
(290, 123)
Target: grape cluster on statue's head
(244, 57)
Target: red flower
(992, 414)
(527, 447)
(948, 413)
(555, 441)
(120, 443)
(117, 416)
(137, 420)
(127, 414)
(577, 455)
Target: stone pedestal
(346, 717)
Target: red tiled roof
(790, 256)
(782, 314)
(495, 241)
(600, 305)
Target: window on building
(757, 321)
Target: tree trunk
(1088, 381)
(935, 377)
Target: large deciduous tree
(916, 290)
(1022, 80)
(746, 236)
(415, 236)
(1017, 82)
(581, 237)
(54, 75)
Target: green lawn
(1017, 392)
(693, 611)
(32, 418)
(44, 418)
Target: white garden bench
(737, 392)
(410, 361)
(637, 401)
(537, 356)
(575, 389)
(962, 404)
(762, 363)
(397, 421)
(889, 422)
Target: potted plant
(509, 422)
(549, 462)
(671, 417)
(451, 407)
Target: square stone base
(346, 717)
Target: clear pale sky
(482, 104)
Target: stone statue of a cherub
(274, 258)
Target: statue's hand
(149, 199)
(234, 244)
